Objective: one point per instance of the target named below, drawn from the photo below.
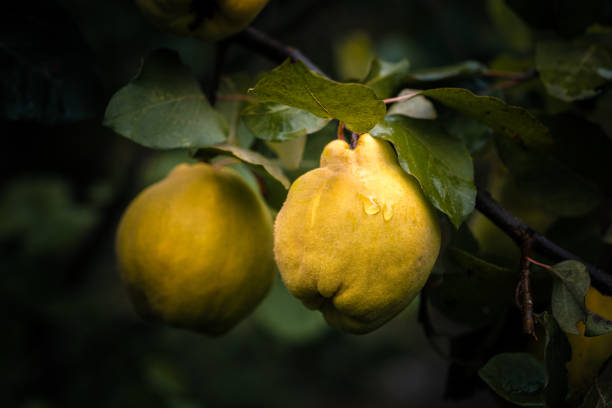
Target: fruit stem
(340, 133)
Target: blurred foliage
(70, 337)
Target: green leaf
(277, 123)
(446, 73)
(548, 181)
(231, 100)
(516, 377)
(600, 393)
(247, 156)
(164, 108)
(472, 291)
(597, 325)
(557, 352)
(574, 70)
(512, 121)
(510, 27)
(287, 319)
(384, 77)
(568, 292)
(440, 163)
(418, 107)
(293, 84)
(290, 152)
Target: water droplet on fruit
(370, 206)
(387, 212)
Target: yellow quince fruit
(356, 238)
(589, 353)
(210, 20)
(195, 249)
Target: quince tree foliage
(386, 210)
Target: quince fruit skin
(209, 20)
(356, 238)
(195, 249)
(589, 353)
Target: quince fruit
(356, 238)
(589, 353)
(195, 249)
(210, 20)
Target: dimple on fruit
(356, 238)
(210, 20)
(195, 249)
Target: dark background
(69, 335)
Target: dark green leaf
(384, 77)
(557, 352)
(447, 73)
(569, 290)
(289, 152)
(293, 84)
(277, 123)
(247, 156)
(597, 325)
(286, 318)
(548, 181)
(164, 108)
(516, 377)
(574, 70)
(441, 163)
(472, 291)
(511, 28)
(512, 121)
(600, 393)
(231, 100)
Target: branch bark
(513, 227)
(256, 40)
(518, 230)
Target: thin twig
(517, 230)
(512, 76)
(236, 97)
(254, 39)
(401, 98)
(525, 288)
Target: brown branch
(511, 225)
(524, 287)
(511, 76)
(254, 39)
(518, 230)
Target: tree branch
(254, 39)
(513, 227)
(518, 230)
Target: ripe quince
(589, 353)
(356, 238)
(195, 249)
(210, 20)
